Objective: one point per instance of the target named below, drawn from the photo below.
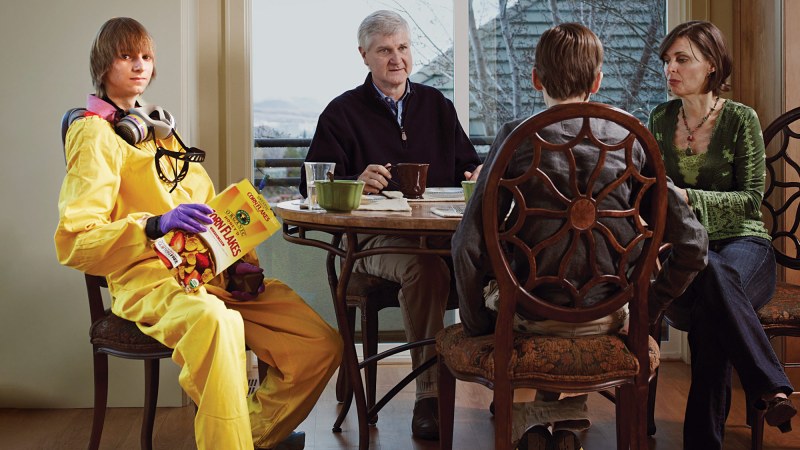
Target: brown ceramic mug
(411, 178)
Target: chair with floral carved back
(781, 209)
(507, 360)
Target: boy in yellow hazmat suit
(114, 200)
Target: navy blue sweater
(357, 129)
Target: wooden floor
(69, 429)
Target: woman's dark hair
(709, 41)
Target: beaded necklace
(690, 138)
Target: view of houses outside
(318, 60)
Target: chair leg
(623, 412)
(503, 399)
(640, 401)
(100, 398)
(341, 378)
(651, 405)
(631, 406)
(369, 344)
(151, 367)
(756, 420)
(447, 400)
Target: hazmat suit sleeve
(87, 238)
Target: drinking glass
(315, 171)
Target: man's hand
(375, 178)
(473, 176)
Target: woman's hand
(684, 194)
(375, 178)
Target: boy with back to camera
(567, 69)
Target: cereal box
(242, 219)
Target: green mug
(469, 187)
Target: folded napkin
(384, 204)
(392, 194)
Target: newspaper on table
(242, 219)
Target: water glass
(315, 171)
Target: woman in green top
(714, 151)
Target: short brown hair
(709, 41)
(568, 58)
(117, 36)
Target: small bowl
(469, 187)
(339, 195)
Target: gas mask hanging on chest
(154, 122)
(140, 122)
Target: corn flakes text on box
(242, 219)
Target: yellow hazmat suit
(110, 190)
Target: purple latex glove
(191, 217)
(246, 281)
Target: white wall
(45, 355)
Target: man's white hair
(383, 23)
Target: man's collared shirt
(395, 106)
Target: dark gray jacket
(471, 263)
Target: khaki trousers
(208, 331)
(424, 288)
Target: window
(305, 53)
(503, 40)
(319, 60)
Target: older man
(386, 120)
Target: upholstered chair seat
(784, 308)
(115, 333)
(587, 359)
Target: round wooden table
(344, 229)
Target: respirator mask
(155, 122)
(140, 122)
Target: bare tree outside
(502, 56)
(630, 32)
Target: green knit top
(725, 185)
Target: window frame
(236, 85)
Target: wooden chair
(781, 207)
(370, 294)
(112, 335)
(507, 360)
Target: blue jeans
(725, 332)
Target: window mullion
(461, 61)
